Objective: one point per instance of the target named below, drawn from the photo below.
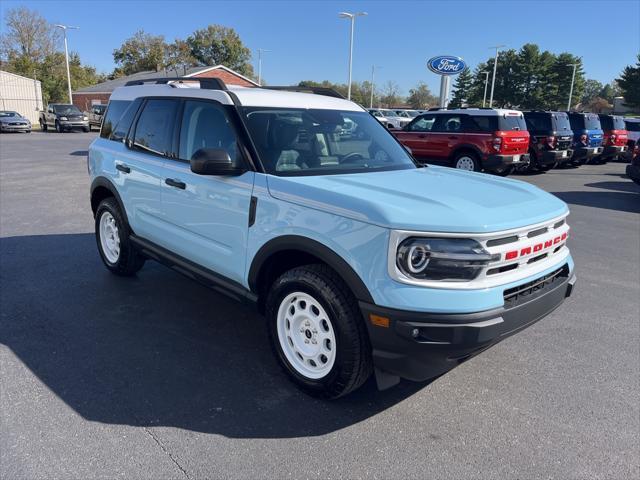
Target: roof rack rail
(326, 91)
(433, 109)
(205, 83)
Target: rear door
(416, 135)
(207, 216)
(141, 166)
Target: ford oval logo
(446, 65)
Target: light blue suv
(360, 259)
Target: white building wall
(21, 94)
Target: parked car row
(500, 140)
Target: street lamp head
(67, 27)
(352, 15)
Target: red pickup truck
(494, 140)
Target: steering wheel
(352, 157)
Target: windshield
(323, 142)
(66, 110)
(561, 122)
(9, 114)
(389, 113)
(632, 126)
(413, 114)
(403, 114)
(511, 122)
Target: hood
(13, 120)
(437, 199)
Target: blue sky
(308, 41)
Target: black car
(633, 170)
(550, 139)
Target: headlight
(64, 119)
(85, 118)
(446, 259)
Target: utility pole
(352, 17)
(486, 82)
(493, 80)
(66, 56)
(573, 78)
(260, 50)
(373, 73)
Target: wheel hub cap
(109, 237)
(306, 335)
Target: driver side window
(205, 125)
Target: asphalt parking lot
(158, 377)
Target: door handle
(422, 135)
(453, 137)
(175, 183)
(123, 168)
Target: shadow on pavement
(156, 349)
(80, 153)
(626, 186)
(621, 201)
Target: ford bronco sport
(469, 139)
(587, 136)
(550, 139)
(615, 136)
(361, 260)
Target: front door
(417, 134)
(207, 216)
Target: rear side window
(482, 124)
(448, 123)
(633, 126)
(205, 125)
(154, 129)
(123, 125)
(114, 112)
(511, 122)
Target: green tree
(610, 91)
(476, 90)
(218, 45)
(390, 94)
(28, 38)
(421, 98)
(178, 58)
(140, 53)
(592, 89)
(562, 72)
(462, 89)
(531, 77)
(505, 90)
(629, 83)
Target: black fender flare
(104, 182)
(315, 248)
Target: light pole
(260, 50)
(486, 82)
(352, 17)
(573, 77)
(493, 80)
(373, 72)
(66, 55)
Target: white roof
(251, 97)
(480, 111)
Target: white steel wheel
(109, 237)
(306, 335)
(465, 162)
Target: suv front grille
(522, 293)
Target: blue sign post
(446, 66)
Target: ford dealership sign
(446, 65)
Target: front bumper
(68, 125)
(497, 161)
(419, 346)
(611, 151)
(555, 156)
(585, 153)
(15, 128)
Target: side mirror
(213, 161)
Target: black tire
(468, 156)
(86, 129)
(503, 171)
(129, 260)
(353, 364)
(43, 126)
(59, 127)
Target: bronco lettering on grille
(538, 247)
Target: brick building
(83, 98)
